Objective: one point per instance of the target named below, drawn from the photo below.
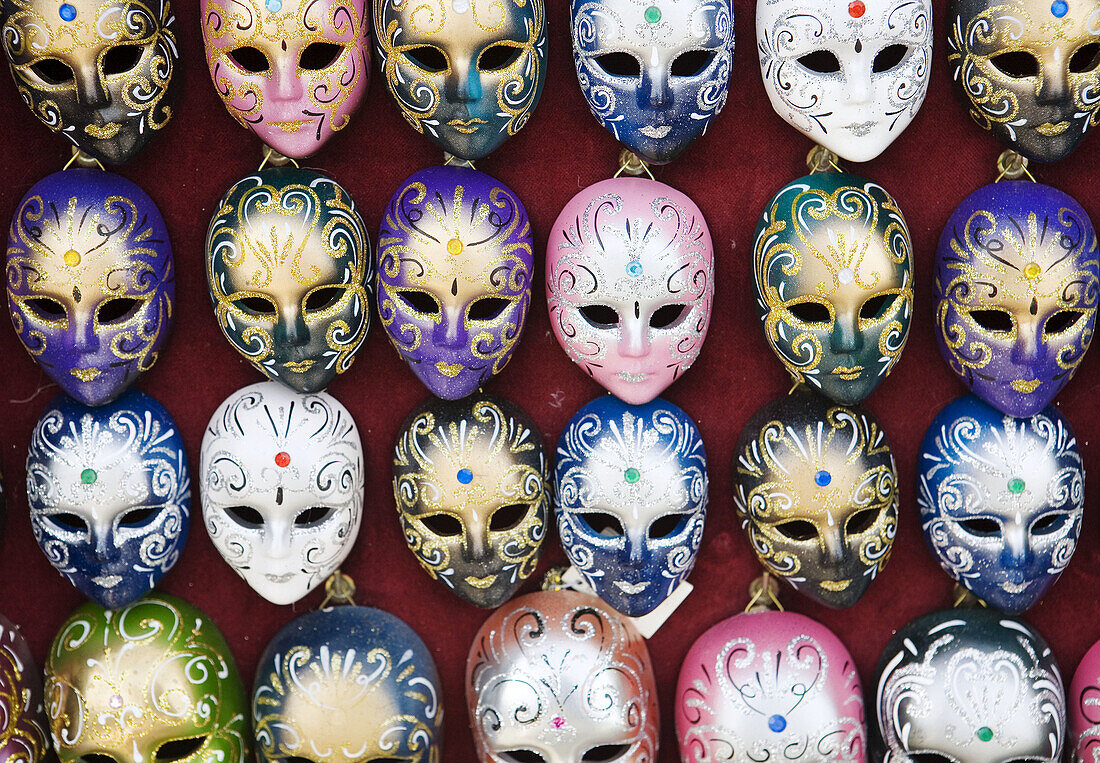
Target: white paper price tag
(647, 625)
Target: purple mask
(91, 281)
(1017, 282)
(454, 277)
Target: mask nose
(1027, 347)
(635, 549)
(448, 332)
(655, 92)
(635, 336)
(860, 90)
(464, 84)
(476, 548)
(834, 550)
(846, 337)
(294, 332)
(1054, 87)
(85, 339)
(90, 92)
(106, 550)
(1016, 554)
(276, 542)
(287, 86)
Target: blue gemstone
(67, 11)
(274, 6)
(777, 723)
(634, 268)
(1059, 8)
(823, 478)
(465, 476)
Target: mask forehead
(1016, 280)
(155, 671)
(23, 731)
(851, 76)
(294, 462)
(1027, 70)
(973, 685)
(833, 279)
(535, 669)
(434, 57)
(347, 684)
(454, 277)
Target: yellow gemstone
(454, 247)
(72, 258)
(1032, 270)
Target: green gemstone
(632, 475)
(652, 14)
(1015, 485)
(984, 733)
(88, 476)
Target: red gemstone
(856, 9)
(558, 722)
(282, 459)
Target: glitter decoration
(88, 476)
(1016, 485)
(856, 9)
(465, 476)
(67, 12)
(1059, 8)
(984, 733)
(652, 14)
(823, 478)
(634, 268)
(777, 723)
(454, 247)
(282, 459)
(632, 475)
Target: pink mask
(1084, 707)
(292, 71)
(769, 686)
(629, 284)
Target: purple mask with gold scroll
(1017, 283)
(454, 277)
(22, 721)
(91, 281)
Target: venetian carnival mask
(282, 487)
(654, 73)
(1084, 708)
(1001, 500)
(288, 265)
(833, 275)
(970, 686)
(769, 686)
(629, 284)
(153, 681)
(1029, 70)
(815, 487)
(465, 73)
(109, 494)
(1017, 283)
(631, 499)
(292, 71)
(91, 281)
(99, 72)
(470, 478)
(22, 720)
(454, 276)
(850, 75)
(557, 677)
(347, 685)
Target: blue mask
(1001, 500)
(631, 499)
(109, 494)
(347, 683)
(654, 73)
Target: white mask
(282, 487)
(850, 75)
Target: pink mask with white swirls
(629, 284)
(1084, 707)
(769, 686)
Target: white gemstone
(847, 275)
(460, 6)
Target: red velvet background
(731, 173)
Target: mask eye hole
(666, 315)
(69, 522)
(249, 59)
(861, 521)
(312, 516)
(930, 757)
(602, 524)
(619, 64)
(245, 516)
(258, 306)
(323, 298)
(53, 72)
(178, 749)
(45, 308)
(117, 310)
(797, 529)
(121, 59)
(889, 57)
(96, 757)
(1063, 320)
(605, 753)
(497, 57)
(137, 517)
(692, 63)
(1017, 64)
(811, 312)
(821, 61)
(1086, 59)
(996, 321)
(600, 316)
(428, 57)
(319, 55)
(443, 525)
(300, 759)
(508, 517)
(877, 306)
(1049, 524)
(981, 527)
(664, 527)
(522, 756)
(420, 302)
(487, 308)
